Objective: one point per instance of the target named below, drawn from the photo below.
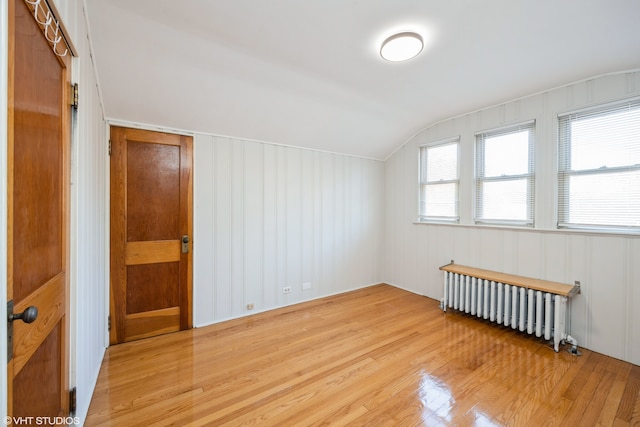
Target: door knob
(27, 316)
(185, 244)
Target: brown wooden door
(38, 171)
(151, 211)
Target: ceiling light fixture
(401, 46)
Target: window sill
(530, 229)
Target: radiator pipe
(576, 289)
(574, 345)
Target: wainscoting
(375, 356)
(604, 263)
(269, 216)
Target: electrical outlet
(249, 306)
(306, 286)
(286, 289)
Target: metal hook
(62, 55)
(48, 16)
(56, 38)
(47, 23)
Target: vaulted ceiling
(308, 72)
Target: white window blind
(439, 181)
(599, 168)
(504, 177)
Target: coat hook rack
(50, 26)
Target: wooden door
(151, 205)
(38, 180)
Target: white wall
(270, 216)
(89, 221)
(602, 317)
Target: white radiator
(528, 310)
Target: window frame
(422, 180)
(564, 171)
(480, 179)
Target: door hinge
(108, 323)
(109, 147)
(73, 400)
(9, 331)
(74, 96)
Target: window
(505, 176)
(439, 181)
(599, 168)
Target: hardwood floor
(379, 356)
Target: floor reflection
(436, 399)
(439, 409)
(482, 420)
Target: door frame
(109, 305)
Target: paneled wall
(604, 316)
(89, 198)
(89, 222)
(270, 216)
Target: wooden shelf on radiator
(512, 279)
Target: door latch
(185, 244)
(28, 316)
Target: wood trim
(113, 337)
(186, 178)
(10, 141)
(511, 279)
(144, 136)
(52, 296)
(164, 321)
(11, 53)
(151, 252)
(118, 211)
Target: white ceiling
(307, 72)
